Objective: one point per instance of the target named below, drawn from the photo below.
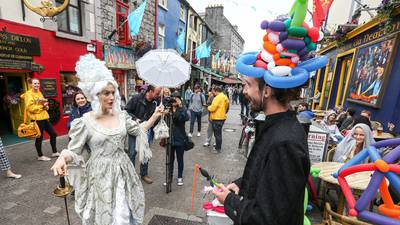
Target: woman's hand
(59, 168)
(159, 111)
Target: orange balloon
(277, 56)
(265, 38)
(382, 166)
(283, 62)
(269, 47)
(292, 65)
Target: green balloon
(299, 12)
(307, 40)
(287, 23)
(311, 47)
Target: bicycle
(247, 135)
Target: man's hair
(366, 112)
(282, 95)
(351, 111)
(304, 104)
(218, 89)
(150, 88)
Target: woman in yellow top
(37, 107)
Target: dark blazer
(179, 118)
(274, 179)
(139, 108)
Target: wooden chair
(330, 216)
(375, 125)
(330, 153)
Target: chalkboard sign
(317, 145)
(49, 87)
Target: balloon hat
(284, 61)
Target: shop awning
(228, 80)
(207, 70)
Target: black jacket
(273, 182)
(179, 117)
(139, 108)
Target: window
(195, 23)
(182, 13)
(163, 3)
(161, 35)
(69, 85)
(70, 20)
(122, 15)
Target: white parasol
(163, 68)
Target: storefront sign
(20, 65)
(119, 58)
(18, 47)
(49, 87)
(317, 145)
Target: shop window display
(69, 85)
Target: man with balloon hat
(271, 189)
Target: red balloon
(259, 56)
(261, 64)
(313, 33)
(305, 25)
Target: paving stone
(52, 210)
(8, 205)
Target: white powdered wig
(94, 76)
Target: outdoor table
(358, 181)
(383, 136)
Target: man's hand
(391, 126)
(221, 193)
(233, 187)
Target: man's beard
(258, 106)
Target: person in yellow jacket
(37, 106)
(218, 109)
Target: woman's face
(107, 97)
(331, 118)
(359, 135)
(80, 100)
(35, 85)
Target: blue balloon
(244, 65)
(298, 77)
(314, 64)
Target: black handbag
(188, 144)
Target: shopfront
(363, 73)
(32, 52)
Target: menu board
(317, 146)
(49, 87)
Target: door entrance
(12, 85)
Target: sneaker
(190, 135)
(206, 144)
(214, 145)
(55, 155)
(43, 158)
(216, 151)
(180, 181)
(147, 179)
(198, 134)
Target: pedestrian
(218, 110)
(271, 189)
(80, 106)
(210, 132)
(179, 137)
(188, 94)
(348, 122)
(244, 105)
(36, 106)
(110, 191)
(197, 101)
(5, 164)
(141, 107)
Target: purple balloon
(387, 143)
(293, 44)
(377, 219)
(264, 24)
(283, 36)
(392, 156)
(277, 26)
(368, 195)
(303, 51)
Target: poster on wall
(49, 87)
(372, 68)
(317, 146)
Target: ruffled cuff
(77, 160)
(142, 145)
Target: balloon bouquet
(383, 167)
(285, 60)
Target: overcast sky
(248, 14)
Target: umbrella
(164, 68)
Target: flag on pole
(135, 19)
(204, 50)
(318, 15)
(326, 4)
(180, 42)
(217, 56)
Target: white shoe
(198, 134)
(43, 158)
(190, 135)
(180, 181)
(206, 144)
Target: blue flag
(217, 57)
(180, 42)
(204, 50)
(135, 19)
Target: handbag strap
(25, 115)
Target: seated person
(358, 138)
(304, 116)
(391, 129)
(347, 123)
(329, 125)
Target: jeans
(45, 125)
(243, 107)
(210, 132)
(195, 116)
(144, 167)
(217, 128)
(179, 156)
